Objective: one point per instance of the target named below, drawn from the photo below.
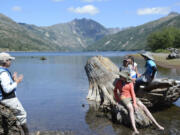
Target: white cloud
(88, 9)
(93, 0)
(156, 10)
(57, 0)
(16, 8)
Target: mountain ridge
(78, 35)
(71, 36)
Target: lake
(54, 90)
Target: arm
(136, 69)
(154, 71)
(115, 92)
(6, 83)
(151, 64)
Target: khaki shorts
(126, 101)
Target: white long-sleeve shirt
(6, 82)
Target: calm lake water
(54, 90)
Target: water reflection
(169, 118)
(101, 125)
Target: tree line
(165, 38)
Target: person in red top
(124, 92)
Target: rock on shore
(8, 122)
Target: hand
(138, 75)
(135, 107)
(14, 75)
(18, 79)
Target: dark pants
(140, 81)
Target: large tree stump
(8, 122)
(103, 74)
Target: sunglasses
(8, 60)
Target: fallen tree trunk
(174, 53)
(160, 93)
(173, 56)
(103, 74)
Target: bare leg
(131, 113)
(140, 104)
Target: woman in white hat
(8, 84)
(150, 72)
(124, 93)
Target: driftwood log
(160, 93)
(103, 74)
(175, 54)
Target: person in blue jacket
(8, 85)
(150, 72)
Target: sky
(109, 13)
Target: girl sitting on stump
(124, 92)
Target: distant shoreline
(160, 59)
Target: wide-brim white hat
(147, 55)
